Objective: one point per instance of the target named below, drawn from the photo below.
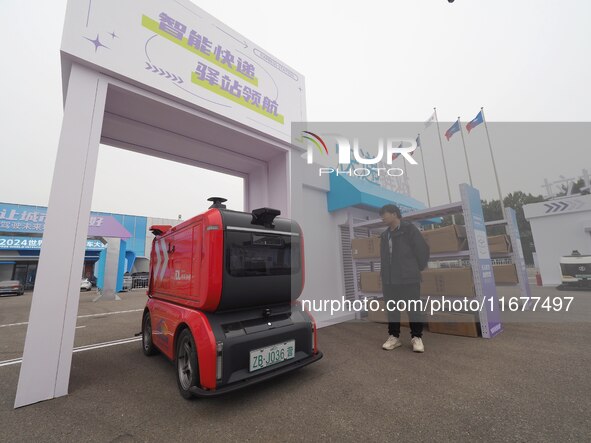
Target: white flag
(430, 120)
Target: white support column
(257, 188)
(279, 186)
(109, 289)
(45, 369)
(296, 169)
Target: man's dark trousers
(406, 292)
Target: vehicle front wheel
(147, 343)
(187, 367)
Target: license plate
(583, 276)
(271, 355)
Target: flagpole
(405, 181)
(403, 177)
(424, 173)
(465, 152)
(494, 165)
(442, 156)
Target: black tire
(89, 289)
(147, 343)
(187, 367)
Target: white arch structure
(130, 82)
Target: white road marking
(14, 324)
(109, 313)
(16, 361)
(80, 316)
(78, 327)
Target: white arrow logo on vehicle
(158, 260)
(165, 255)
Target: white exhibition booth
(558, 227)
(162, 78)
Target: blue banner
(20, 218)
(482, 270)
(31, 220)
(13, 243)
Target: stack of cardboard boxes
(456, 282)
(447, 239)
(449, 282)
(499, 244)
(362, 248)
(365, 247)
(464, 324)
(370, 282)
(504, 274)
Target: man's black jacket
(410, 254)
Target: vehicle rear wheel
(187, 367)
(147, 343)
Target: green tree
(577, 188)
(517, 200)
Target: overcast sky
(523, 60)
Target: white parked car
(85, 284)
(127, 282)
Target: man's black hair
(392, 209)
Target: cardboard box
(381, 315)
(365, 247)
(505, 274)
(456, 282)
(370, 282)
(464, 325)
(447, 239)
(499, 244)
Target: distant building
(21, 231)
(558, 227)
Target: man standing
(404, 254)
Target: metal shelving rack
(478, 253)
(516, 254)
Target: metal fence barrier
(139, 282)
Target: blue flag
(475, 122)
(452, 129)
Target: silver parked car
(11, 287)
(85, 285)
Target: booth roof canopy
(348, 191)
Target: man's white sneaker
(417, 344)
(392, 343)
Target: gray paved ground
(531, 383)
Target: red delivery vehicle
(222, 300)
